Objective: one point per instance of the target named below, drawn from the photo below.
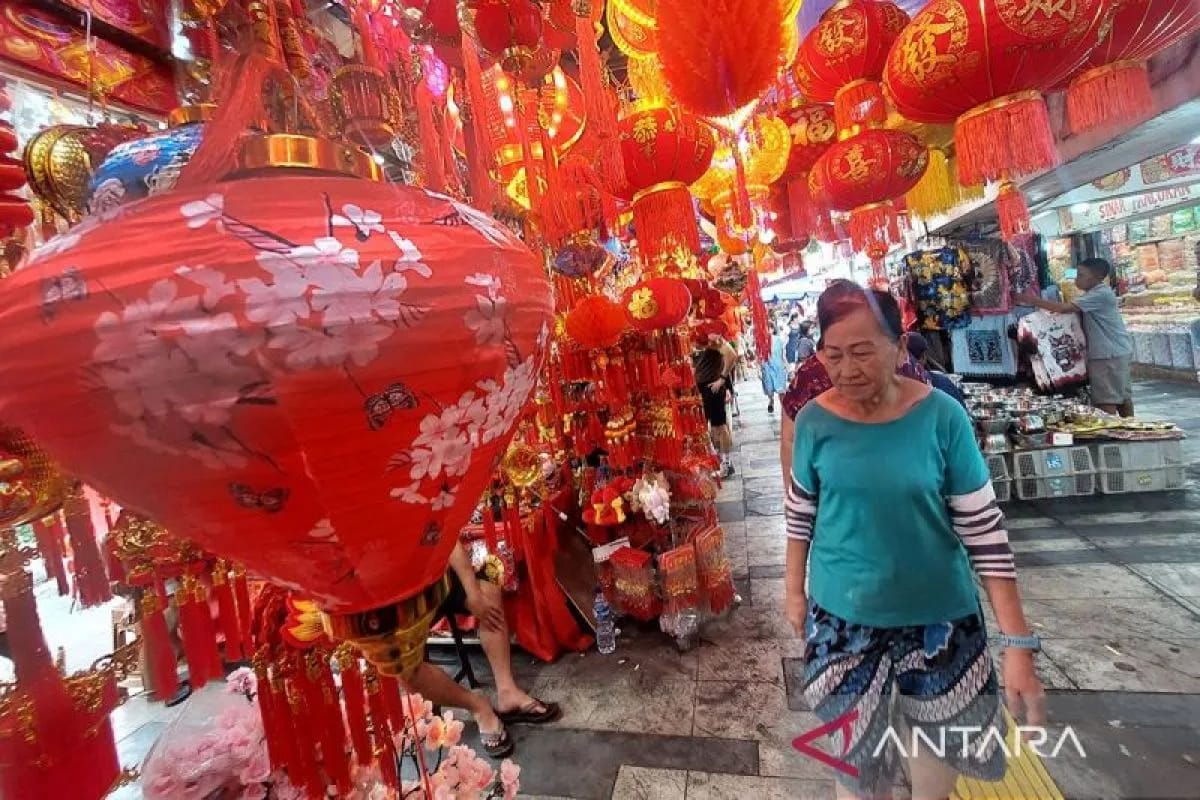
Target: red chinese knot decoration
(313, 376)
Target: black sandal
(497, 745)
(529, 714)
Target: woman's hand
(1022, 686)
(796, 608)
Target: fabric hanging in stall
(983, 348)
(938, 287)
(1023, 269)
(990, 261)
(1061, 360)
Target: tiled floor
(1111, 583)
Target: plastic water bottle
(606, 632)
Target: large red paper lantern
(510, 30)
(862, 175)
(841, 60)
(720, 55)
(1114, 86)
(984, 66)
(656, 304)
(595, 322)
(313, 376)
(663, 150)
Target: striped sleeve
(800, 512)
(980, 524)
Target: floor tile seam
(1129, 568)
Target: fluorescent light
(378, 158)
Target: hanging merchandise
(1024, 271)
(984, 66)
(1113, 87)
(664, 150)
(939, 288)
(939, 191)
(983, 348)
(812, 131)
(265, 376)
(989, 262)
(1060, 361)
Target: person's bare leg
(1126, 409)
(435, 685)
(498, 649)
(931, 779)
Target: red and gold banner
(44, 42)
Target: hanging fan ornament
(719, 57)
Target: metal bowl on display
(149, 165)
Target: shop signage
(1106, 212)
(1178, 163)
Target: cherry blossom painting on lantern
(312, 376)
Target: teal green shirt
(884, 552)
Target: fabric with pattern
(938, 287)
(984, 348)
(937, 678)
(989, 270)
(1061, 359)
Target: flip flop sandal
(497, 745)
(529, 714)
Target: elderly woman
(889, 509)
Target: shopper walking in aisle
(1109, 345)
(811, 379)
(774, 370)
(709, 366)
(889, 507)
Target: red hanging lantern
(841, 60)
(862, 175)
(657, 304)
(720, 56)
(1114, 86)
(311, 375)
(510, 30)
(596, 322)
(984, 66)
(663, 150)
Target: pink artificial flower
(284, 789)
(255, 791)
(258, 768)
(163, 786)
(510, 778)
(444, 731)
(242, 681)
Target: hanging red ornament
(841, 60)
(984, 66)
(657, 304)
(718, 56)
(663, 151)
(1113, 89)
(278, 393)
(511, 31)
(596, 322)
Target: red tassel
(390, 688)
(1012, 211)
(156, 641)
(381, 726)
(286, 744)
(355, 700)
(479, 143)
(758, 313)
(199, 637)
(527, 105)
(874, 228)
(227, 608)
(362, 22)
(332, 726)
(600, 105)
(265, 698)
(1116, 94)
(743, 215)
(49, 532)
(431, 149)
(303, 769)
(1008, 136)
(91, 581)
(663, 219)
(241, 591)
